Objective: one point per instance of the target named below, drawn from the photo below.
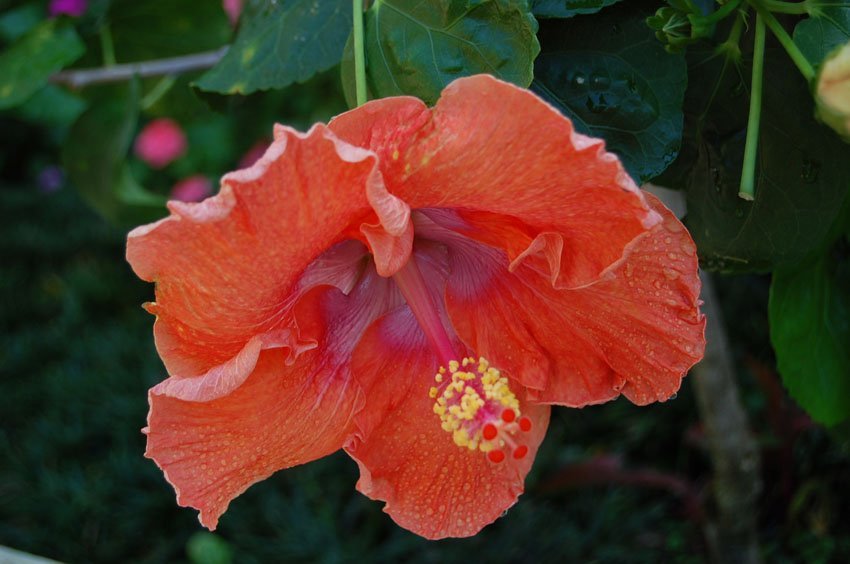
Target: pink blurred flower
(233, 9)
(74, 8)
(160, 142)
(253, 154)
(192, 189)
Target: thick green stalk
(106, 47)
(779, 7)
(161, 89)
(359, 53)
(748, 183)
(803, 64)
(718, 15)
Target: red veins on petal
(429, 484)
(416, 286)
(498, 151)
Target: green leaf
(18, 21)
(818, 36)
(166, 28)
(802, 174)
(419, 48)
(279, 44)
(615, 81)
(52, 106)
(809, 311)
(94, 157)
(567, 8)
(26, 66)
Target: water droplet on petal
(670, 274)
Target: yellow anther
(461, 397)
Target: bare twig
(607, 469)
(78, 78)
(734, 453)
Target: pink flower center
(472, 399)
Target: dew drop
(600, 82)
(717, 179)
(810, 171)
(579, 79)
(674, 396)
(670, 274)
(596, 103)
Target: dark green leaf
(817, 36)
(567, 8)
(18, 21)
(615, 81)
(26, 66)
(94, 156)
(166, 28)
(281, 43)
(803, 168)
(53, 106)
(810, 329)
(420, 48)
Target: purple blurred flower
(50, 179)
(75, 8)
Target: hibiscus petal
(215, 435)
(493, 148)
(212, 451)
(225, 267)
(431, 486)
(387, 126)
(636, 332)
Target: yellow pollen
(472, 386)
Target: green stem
(106, 46)
(731, 48)
(158, 91)
(738, 27)
(748, 176)
(779, 7)
(791, 48)
(716, 16)
(359, 54)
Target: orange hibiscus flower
(417, 287)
